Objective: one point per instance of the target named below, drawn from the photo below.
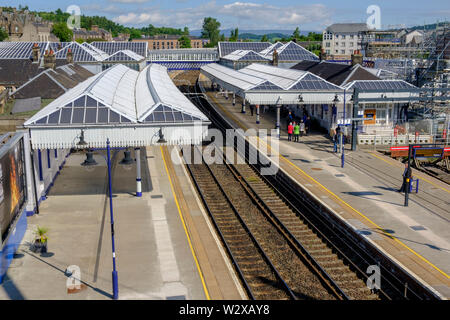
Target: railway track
(343, 244)
(301, 260)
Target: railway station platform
(364, 196)
(165, 246)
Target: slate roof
(336, 73)
(50, 84)
(15, 72)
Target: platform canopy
(245, 55)
(384, 89)
(126, 106)
(263, 84)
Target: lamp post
(89, 162)
(115, 280)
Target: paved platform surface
(154, 255)
(363, 193)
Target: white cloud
(130, 1)
(242, 14)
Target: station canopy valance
(124, 105)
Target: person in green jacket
(296, 132)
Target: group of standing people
(297, 129)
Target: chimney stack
(322, 55)
(49, 59)
(357, 58)
(275, 58)
(35, 53)
(69, 56)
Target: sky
(252, 14)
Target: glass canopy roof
(120, 95)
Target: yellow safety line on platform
(421, 177)
(340, 200)
(185, 228)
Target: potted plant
(40, 243)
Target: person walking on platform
(406, 178)
(302, 128)
(251, 109)
(296, 132)
(307, 125)
(290, 118)
(290, 131)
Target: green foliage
(152, 30)
(185, 41)
(210, 30)
(296, 34)
(102, 22)
(41, 233)
(186, 31)
(3, 34)
(62, 32)
(264, 38)
(135, 34)
(234, 35)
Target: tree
(210, 30)
(3, 34)
(222, 37)
(234, 35)
(62, 32)
(135, 34)
(264, 38)
(185, 41)
(186, 31)
(296, 34)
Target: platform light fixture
(161, 136)
(336, 99)
(82, 142)
(300, 98)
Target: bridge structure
(183, 59)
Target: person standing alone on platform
(302, 128)
(251, 109)
(406, 178)
(296, 132)
(290, 131)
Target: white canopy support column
(138, 172)
(243, 106)
(234, 98)
(257, 114)
(277, 125)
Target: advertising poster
(12, 186)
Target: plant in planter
(40, 243)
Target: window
(342, 44)
(337, 51)
(351, 36)
(337, 44)
(327, 51)
(343, 36)
(351, 44)
(342, 51)
(337, 36)
(327, 44)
